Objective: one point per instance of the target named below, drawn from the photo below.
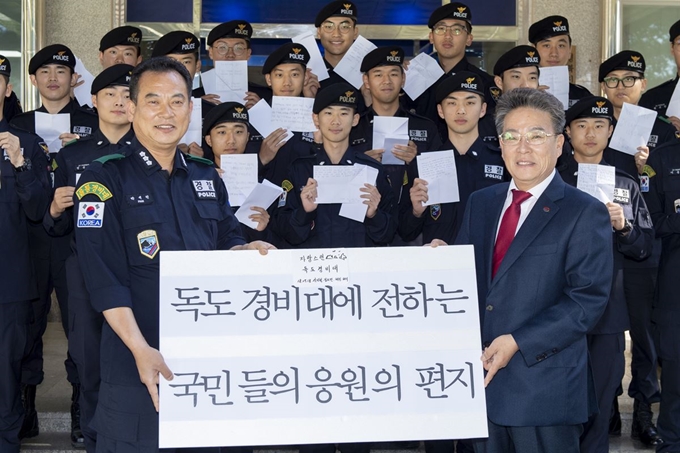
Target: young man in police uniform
(664, 206)
(24, 195)
(110, 95)
(622, 80)
(478, 163)
(589, 126)
(51, 71)
(384, 78)
(658, 97)
(122, 45)
(551, 38)
(450, 34)
(517, 68)
(130, 206)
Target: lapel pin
(546, 209)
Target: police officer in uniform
(478, 163)
(12, 106)
(121, 46)
(305, 224)
(664, 206)
(185, 47)
(225, 131)
(658, 97)
(129, 207)
(110, 94)
(24, 195)
(517, 68)
(450, 34)
(589, 126)
(551, 38)
(384, 78)
(51, 71)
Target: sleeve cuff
(110, 297)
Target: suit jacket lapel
(542, 212)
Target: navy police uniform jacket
(276, 171)
(70, 164)
(127, 209)
(84, 122)
(324, 227)
(24, 196)
(658, 97)
(482, 166)
(421, 130)
(636, 245)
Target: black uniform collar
(346, 159)
(475, 151)
(462, 65)
(145, 160)
(71, 107)
(401, 113)
(4, 125)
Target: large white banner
(320, 346)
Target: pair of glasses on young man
(456, 30)
(238, 49)
(628, 81)
(344, 27)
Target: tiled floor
(54, 398)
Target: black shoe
(77, 438)
(30, 427)
(643, 428)
(615, 419)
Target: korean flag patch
(90, 215)
(205, 189)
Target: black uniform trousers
(530, 439)
(330, 448)
(49, 257)
(639, 285)
(84, 344)
(666, 331)
(15, 318)
(448, 446)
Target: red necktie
(506, 232)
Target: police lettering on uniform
(52, 72)
(129, 207)
(121, 45)
(306, 224)
(110, 95)
(552, 39)
(24, 195)
(664, 206)
(478, 163)
(658, 98)
(384, 78)
(589, 126)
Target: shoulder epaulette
(199, 160)
(105, 159)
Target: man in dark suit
(544, 270)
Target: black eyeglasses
(628, 81)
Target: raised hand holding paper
(423, 71)
(632, 129)
(240, 176)
(597, 180)
(348, 68)
(438, 168)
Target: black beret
(450, 11)
(118, 74)
(5, 67)
(53, 54)
(627, 60)
(591, 107)
(342, 8)
(461, 81)
(232, 29)
(176, 42)
(547, 28)
(121, 36)
(337, 94)
(227, 112)
(674, 31)
(383, 56)
(288, 53)
(517, 57)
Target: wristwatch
(627, 228)
(27, 165)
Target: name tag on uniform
(90, 215)
(417, 136)
(83, 131)
(493, 172)
(205, 189)
(621, 195)
(136, 200)
(653, 140)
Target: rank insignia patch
(148, 243)
(94, 188)
(90, 215)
